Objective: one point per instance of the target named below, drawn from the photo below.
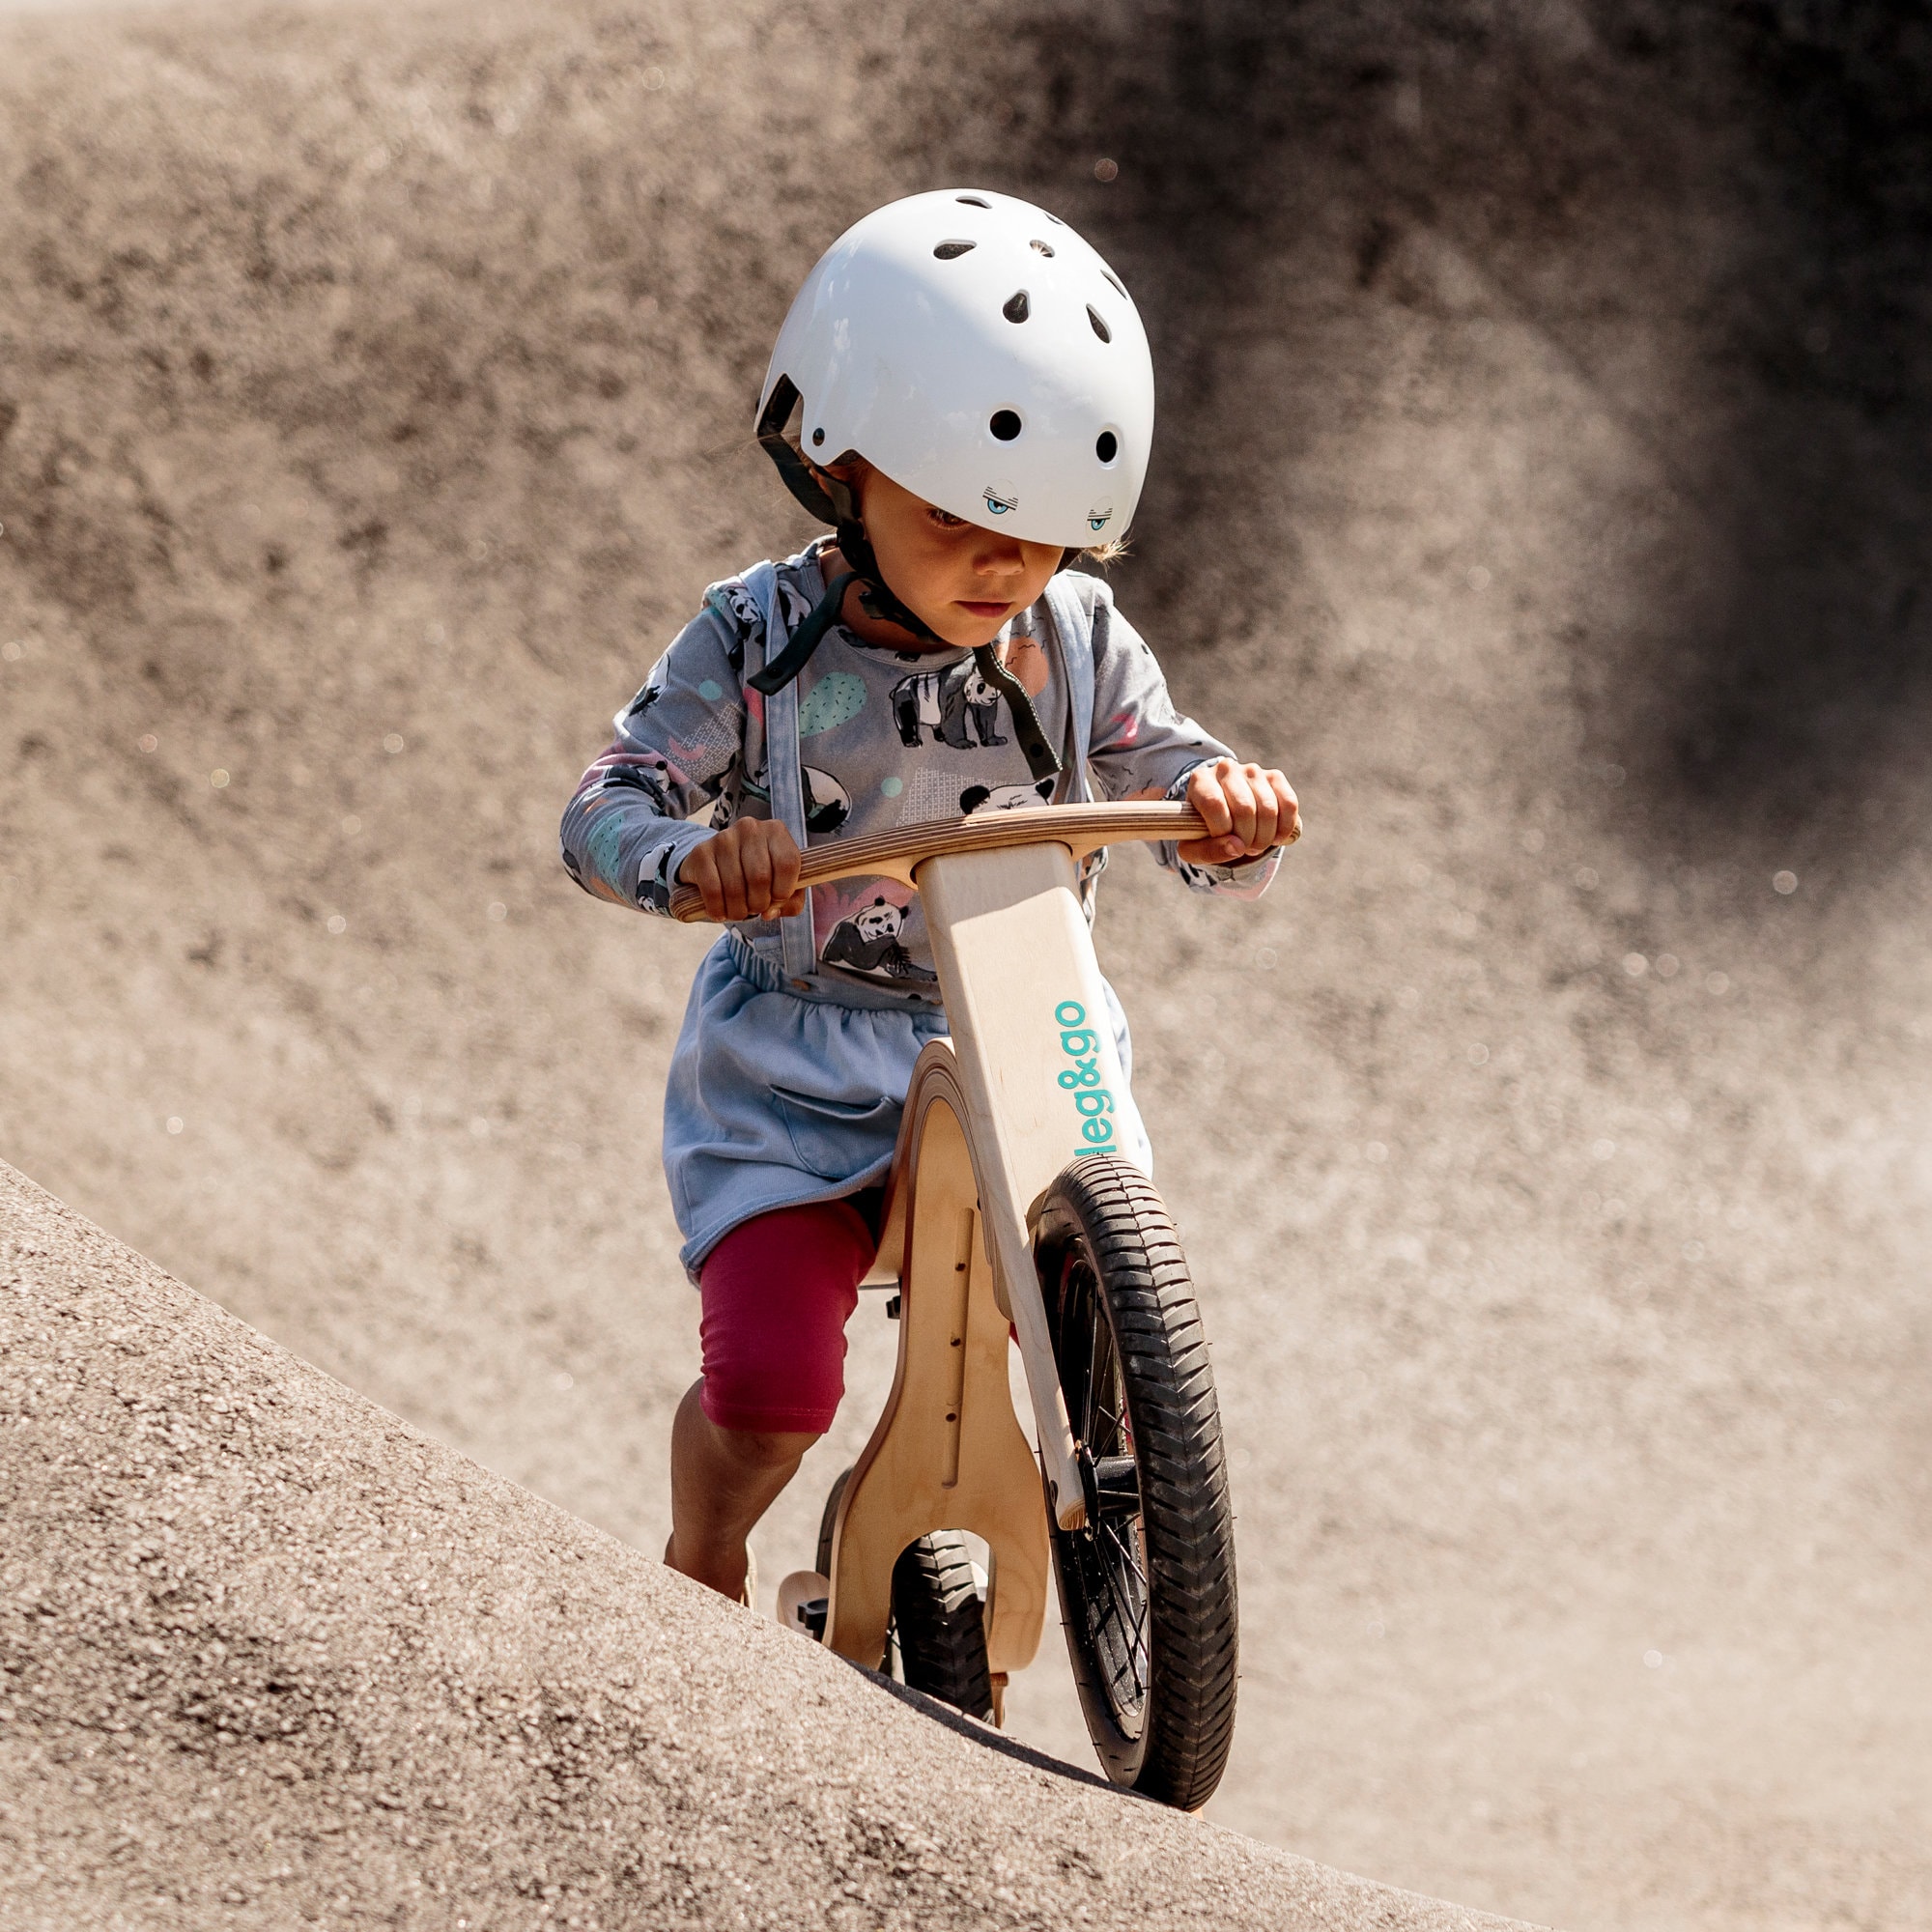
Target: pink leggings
(777, 1292)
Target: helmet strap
(1041, 761)
(806, 640)
(832, 502)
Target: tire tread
(1185, 1513)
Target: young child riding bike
(974, 401)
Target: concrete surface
(1542, 477)
(269, 1656)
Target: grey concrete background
(1542, 480)
(270, 1657)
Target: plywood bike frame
(1024, 1085)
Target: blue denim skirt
(777, 1099)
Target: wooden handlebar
(900, 853)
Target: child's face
(964, 580)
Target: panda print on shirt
(648, 775)
(828, 804)
(1004, 798)
(743, 620)
(955, 707)
(867, 944)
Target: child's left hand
(1246, 811)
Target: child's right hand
(748, 871)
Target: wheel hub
(1109, 1485)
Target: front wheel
(1146, 1586)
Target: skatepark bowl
(1541, 479)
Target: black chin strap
(832, 502)
(796, 654)
(1042, 759)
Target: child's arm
(625, 833)
(1143, 748)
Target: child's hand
(1246, 811)
(748, 871)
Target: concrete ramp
(1543, 475)
(273, 1657)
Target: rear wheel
(936, 1641)
(1147, 1585)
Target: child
(977, 403)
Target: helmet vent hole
(1100, 328)
(1005, 425)
(970, 201)
(1106, 446)
(1041, 248)
(1017, 308)
(1115, 280)
(817, 438)
(947, 251)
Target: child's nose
(999, 557)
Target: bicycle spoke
(1074, 1347)
(1098, 1363)
(1122, 1623)
(1126, 1686)
(1139, 1575)
(1108, 1573)
(1130, 1601)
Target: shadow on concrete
(1808, 677)
(1755, 183)
(983, 1735)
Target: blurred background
(1542, 477)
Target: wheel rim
(1106, 1560)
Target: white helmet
(977, 351)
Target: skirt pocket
(838, 1139)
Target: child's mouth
(982, 609)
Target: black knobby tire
(937, 1638)
(1146, 1587)
(940, 1623)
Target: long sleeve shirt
(887, 738)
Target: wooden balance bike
(1010, 1212)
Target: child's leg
(722, 1481)
(777, 1292)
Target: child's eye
(944, 519)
